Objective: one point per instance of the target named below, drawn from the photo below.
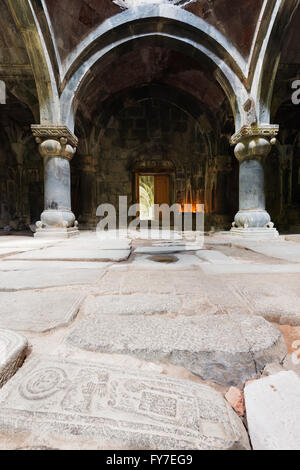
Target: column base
(255, 233)
(57, 232)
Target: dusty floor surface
(49, 289)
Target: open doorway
(152, 189)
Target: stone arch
(25, 18)
(279, 14)
(164, 25)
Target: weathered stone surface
(147, 304)
(136, 304)
(69, 254)
(39, 311)
(17, 280)
(272, 369)
(273, 412)
(57, 400)
(292, 362)
(228, 349)
(272, 296)
(12, 354)
(287, 251)
(215, 257)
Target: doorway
(152, 189)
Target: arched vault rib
(161, 16)
(279, 15)
(231, 84)
(27, 23)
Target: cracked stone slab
(75, 254)
(13, 349)
(61, 403)
(39, 311)
(273, 412)
(226, 349)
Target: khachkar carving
(124, 4)
(252, 145)
(108, 407)
(57, 145)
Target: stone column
(252, 146)
(57, 146)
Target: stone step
(83, 405)
(227, 349)
(273, 412)
(13, 349)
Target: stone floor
(135, 345)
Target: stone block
(273, 412)
(227, 349)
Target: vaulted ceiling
(64, 36)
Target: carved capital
(267, 131)
(55, 141)
(254, 142)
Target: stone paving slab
(188, 283)
(50, 265)
(215, 257)
(12, 281)
(13, 349)
(227, 349)
(146, 304)
(166, 249)
(12, 251)
(288, 251)
(273, 412)
(274, 296)
(71, 404)
(219, 269)
(69, 254)
(39, 311)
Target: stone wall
(152, 135)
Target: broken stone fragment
(235, 398)
(13, 348)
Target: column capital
(267, 131)
(55, 141)
(254, 142)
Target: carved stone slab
(12, 354)
(39, 311)
(51, 398)
(228, 349)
